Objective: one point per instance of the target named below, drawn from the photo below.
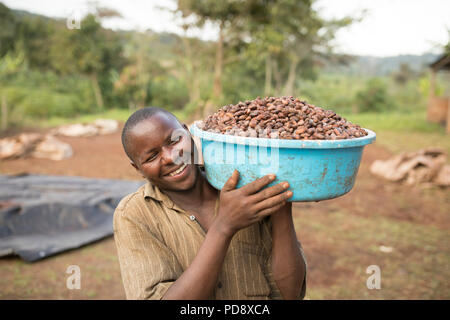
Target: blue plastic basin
(315, 169)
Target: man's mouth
(177, 172)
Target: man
(178, 237)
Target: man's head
(158, 145)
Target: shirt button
(192, 217)
(219, 285)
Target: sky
(389, 27)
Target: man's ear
(134, 165)
(137, 169)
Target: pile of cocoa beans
(280, 118)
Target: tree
(195, 61)
(28, 33)
(34, 35)
(133, 87)
(285, 37)
(8, 27)
(90, 50)
(374, 97)
(291, 42)
(447, 46)
(403, 74)
(229, 16)
(10, 64)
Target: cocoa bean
(281, 118)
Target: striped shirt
(157, 240)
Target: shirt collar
(152, 191)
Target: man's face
(159, 147)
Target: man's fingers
(271, 191)
(256, 185)
(273, 201)
(231, 182)
(268, 211)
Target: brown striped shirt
(156, 242)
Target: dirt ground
(341, 237)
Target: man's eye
(152, 157)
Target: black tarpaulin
(44, 215)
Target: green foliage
(270, 48)
(210, 9)
(83, 57)
(425, 85)
(242, 81)
(34, 38)
(408, 97)
(287, 46)
(94, 49)
(330, 91)
(374, 97)
(395, 121)
(43, 103)
(11, 63)
(403, 74)
(346, 94)
(7, 30)
(132, 87)
(169, 93)
(37, 95)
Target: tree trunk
(268, 76)
(277, 76)
(195, 96)
(448, 116)
(193, 82)
(4, 113)
(97, 91)
(432, 83)
(290, 82)
(217, 89)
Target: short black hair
(136, 118)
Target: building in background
(439, 106)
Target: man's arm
(288, 265)
(150, 270)
(200, 279)
(238, 209)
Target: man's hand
(239, 208)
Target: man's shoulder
(130, 203)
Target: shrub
(169, 93)
(374, 97)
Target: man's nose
(171, 155)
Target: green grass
(400, 132)
(395, 121)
